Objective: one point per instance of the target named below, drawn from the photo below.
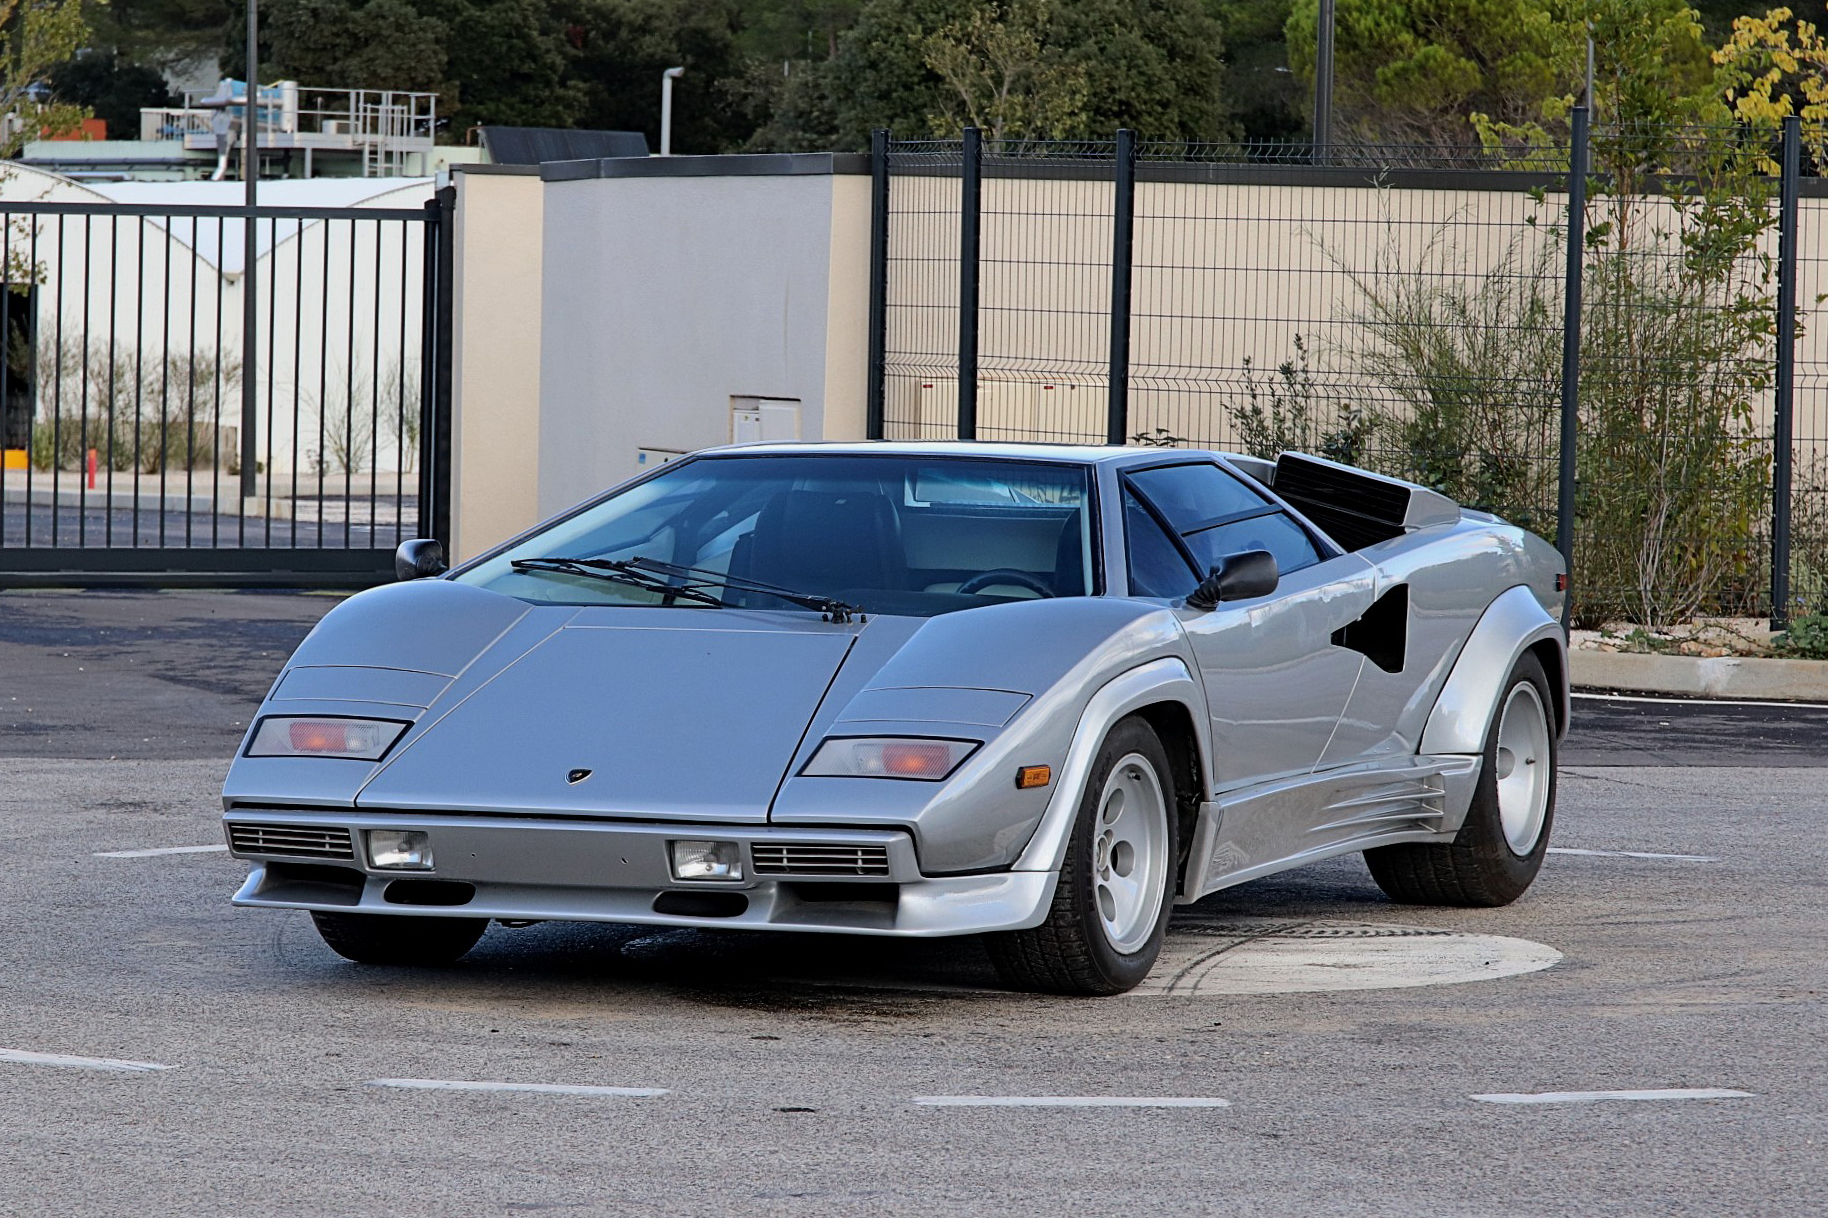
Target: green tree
(36, 36)
(367, 44)
(1416, 71)
(622, 47)
(113, 90)
(510, 64)
(1267, 100)
(1154, 65)
(1005, 75)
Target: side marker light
(1031, 776)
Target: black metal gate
(143, 444)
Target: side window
(1191, 496)
(1274, 532)
(1219, 514)
(1157, 567)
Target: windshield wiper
(834, 609)
(620, 573)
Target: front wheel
(1500, 848)
(394, 939)
(1110, 908)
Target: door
(1275, 685)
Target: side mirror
(419, 558)
(1238, 577)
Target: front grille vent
(820, 858)
(306, 841)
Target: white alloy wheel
(1524, 762)
(1130, 849)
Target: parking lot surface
(1641, 1034)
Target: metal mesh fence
(920, 367)
(1399, 308)
(1809, 497)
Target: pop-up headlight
(889, 757)
(291, 736)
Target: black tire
(1071, 952)
(1479, 867)
(395, 939)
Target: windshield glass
(889, 534)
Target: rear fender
(1163, 680)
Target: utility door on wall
(754, 419)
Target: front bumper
(525, 868)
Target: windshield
(887, 534)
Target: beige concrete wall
(669, 294)
(847, 310)
(495, 394)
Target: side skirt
(1259, 830)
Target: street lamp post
(250, 176)
(1323, 82)
(666, 108)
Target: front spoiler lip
(525, 868)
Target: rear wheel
(1500, 848)
(393, 939)
(1110, 908)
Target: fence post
(970, 189)
(435, 371)
(1570, 348)
(1123, 220)
(879, 283)
(1785, 406)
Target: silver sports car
(1030, 692)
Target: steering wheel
(1005, 575)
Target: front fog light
(707, 861)
(400, 849)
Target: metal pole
(666, 109)
(1570, 349)
(443, 348)
(250, 176)
(1323, 83)
(970, 193)
(1781, 439)
(1123, 222)
(879, 283)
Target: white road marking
(146, 854)
(446, 1084)
(1633, 854)
(1071, 1101)
(1699, 700)
(1592, 1097)
(27, 1058)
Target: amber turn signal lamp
(1031, 776)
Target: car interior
(890, 536)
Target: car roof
(1079, 454)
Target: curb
(1698, 677)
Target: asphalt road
(1691, 928)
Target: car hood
(674, 714)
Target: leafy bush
(1470, 361)
(1283, 413)
(1807, 639)
(133, 408)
